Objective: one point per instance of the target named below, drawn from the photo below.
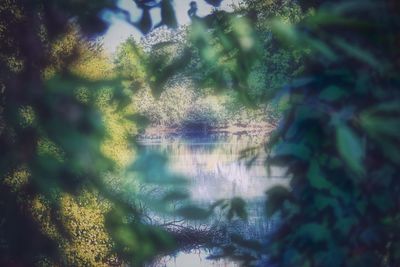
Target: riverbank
(260, 129)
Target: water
(212, 164)
(193, 258)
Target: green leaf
(175, 196)
(285, 31)
(289, 149)
(390, 150)
(192, 212)
(152, 168)
(322, 48)
(316, 178)
(314, 231)
(140, 120)
(276, 196)
(345, 224)
(380, 126)
(333, 256)
(350, 148)
(292, 257)
(168, 17)
(359, 53)
(219, 203)
(332, 93)
(237, 207)
(383, 202)
(145, 23)
(325, 201)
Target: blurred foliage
(66, 129)
(342, 207)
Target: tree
(65, 141)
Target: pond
(212, 164)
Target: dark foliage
(339, 140)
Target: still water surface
(212, 164)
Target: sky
(119, 30)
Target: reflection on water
(212, 164)
(195, 258)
